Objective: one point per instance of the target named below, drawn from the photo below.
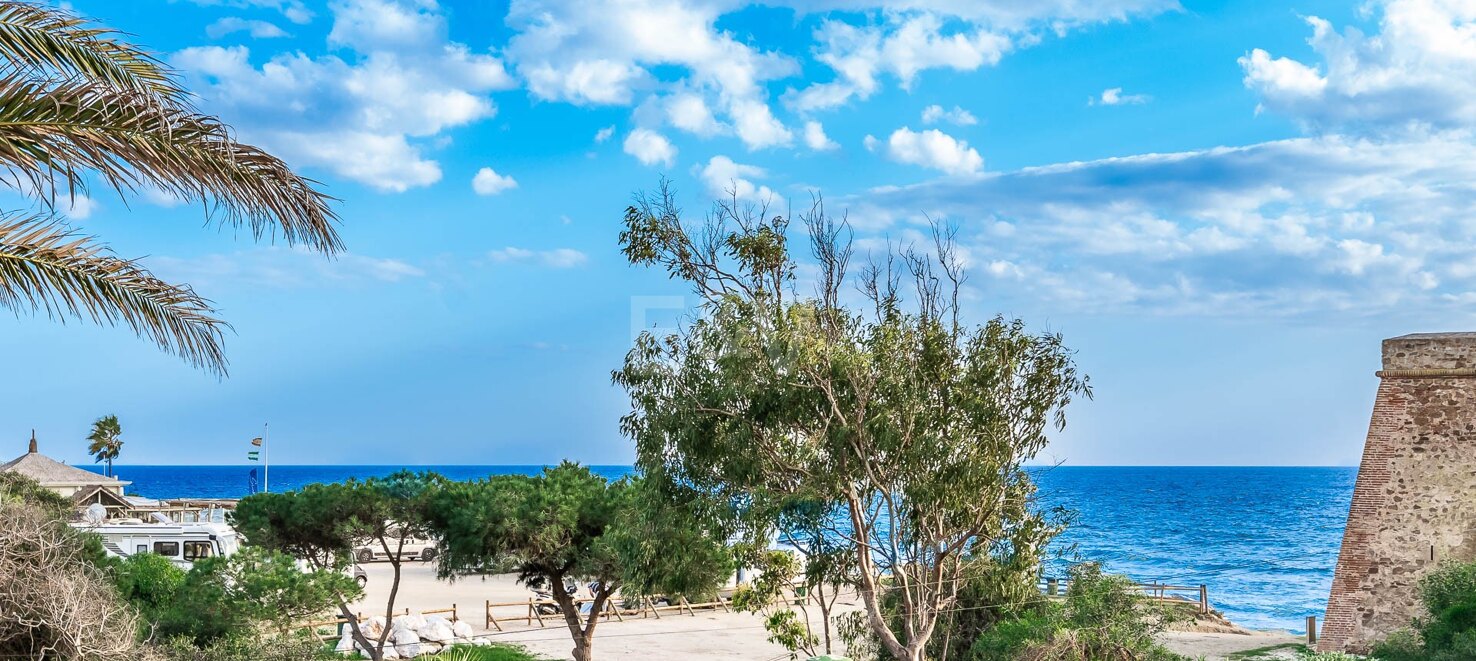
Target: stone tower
(1414, 504)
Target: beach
(708, 634)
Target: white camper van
(182, 543)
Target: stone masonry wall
(1414, 503)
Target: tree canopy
(569, 524)
(886, 403)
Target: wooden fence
(529, 612)
(1197, 595)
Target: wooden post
(688, 604)
(1051, 587)
(453, 613)
(1311, 629)
(491, 621)
(1204, 599)
(534, 610)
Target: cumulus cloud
(488, 182)
(232, 24)
(816, 139)
(604, 53)
(1417, 72)
(725, 178)
(367, 118)
(957, 116)
(1113, 96)
(933, 149)
(901, 47)
(650, 147)
(1325, 224)
(558, 258)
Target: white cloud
(604, 134)
(650, 147)
(933, 149)
(957, 116)
(1326, 225)
(364, 118)
(1418, 71)
(283, 268)
(870, 142)
(1113, 96)
(604, 53)
(231, 24)
(76, 206)
(903, 46)
(488, 182)
(293, 10)
(558, 258)
(723, 177)
(689, 112)
(816, 139)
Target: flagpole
(266, 451)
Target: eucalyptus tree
(79, 104)
(104, 441)
(887, 403)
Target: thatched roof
(50, 472)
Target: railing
(531, 611)
(1197, 595)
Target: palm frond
(64, 129)
(46, 42)
(44, 266)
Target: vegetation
(322, 523)
(1447, 630)
(104, 443)
(569, 525)
(1103, 618)
(79, 104)
(55, 602)
(913, 423)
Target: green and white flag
(253, 455)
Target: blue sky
(1223, 206)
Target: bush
(246, 648)
(1447, 630)
(54, 603)
(1104, 618)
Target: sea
(1263, 540)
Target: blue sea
(1264, 540)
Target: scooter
(547, 605)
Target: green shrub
(148, 581)
(1447, 630)
(1103, 618)
(246, 648)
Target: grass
(1261, 653)
(483, 653)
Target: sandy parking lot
(707, 635)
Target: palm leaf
(44, 266)
(46, 42)
(51, 130)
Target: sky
(1222, 206)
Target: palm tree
(80, 104)
(105, 442)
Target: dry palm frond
(43, 266)
(51, 130)
(45, 42)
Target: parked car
(414, 548)
(360, 575)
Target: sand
(707, 635)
